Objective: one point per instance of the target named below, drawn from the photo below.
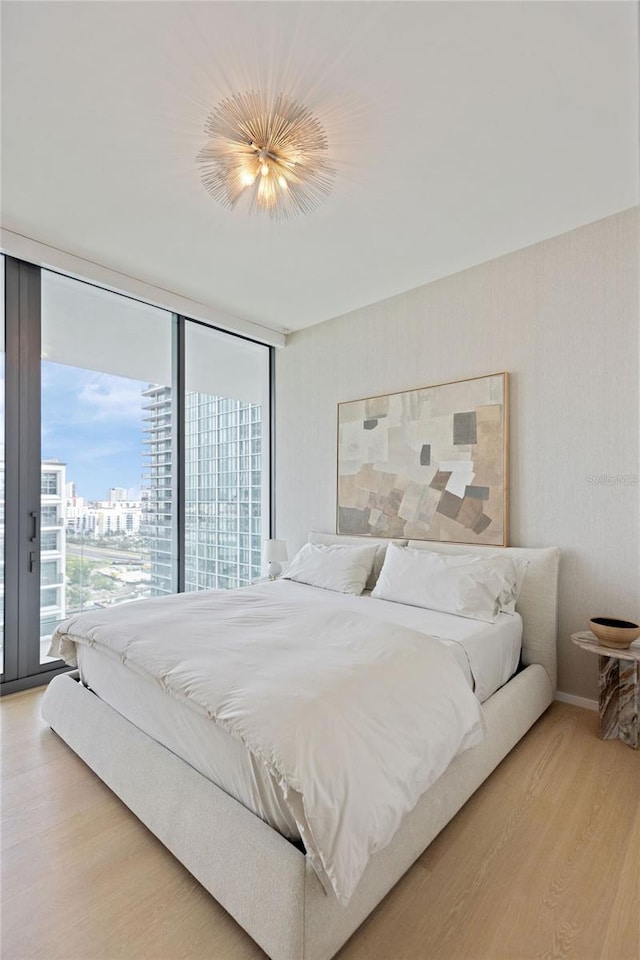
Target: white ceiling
(461, 131)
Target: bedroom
(482, 218)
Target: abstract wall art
(427, 464)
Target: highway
(105, 554)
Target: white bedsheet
(355, 718)
(488, 653)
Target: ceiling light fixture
(273, 150)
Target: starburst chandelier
(274, 150)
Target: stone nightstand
(619, 689)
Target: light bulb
(264, 169)
(247, 178)
(283, 183)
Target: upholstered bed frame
(265, 882)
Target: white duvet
(355, 718)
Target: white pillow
(515, 569)
(358, 542)
(463, 584)
(332, 566)
(512, 568)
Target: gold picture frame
(427, 464)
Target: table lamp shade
(274, 552)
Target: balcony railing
(157, 458)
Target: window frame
(24, 478)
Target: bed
(242, 852)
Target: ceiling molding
(26, 248)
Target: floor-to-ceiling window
(138, 447)
(100, 353)
(226, 458)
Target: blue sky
(93, 423)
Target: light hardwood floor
(543, 862)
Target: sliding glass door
(137, 458)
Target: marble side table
(619, 706)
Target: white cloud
(111, 398)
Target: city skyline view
(107, 499)
(93, 382)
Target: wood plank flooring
(543, 863)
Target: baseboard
(576, 701)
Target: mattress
(487, 654)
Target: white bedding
(488, 653)
(355, 718)
(493, 649)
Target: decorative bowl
(614, 633)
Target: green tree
(101, 582)
(78, 574)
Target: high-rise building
(52, 543)
(156, 482)
(223, 508)
(223, 496)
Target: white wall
(562, 318)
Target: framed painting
(427, 464)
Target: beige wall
(562, 318)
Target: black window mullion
(22, 524)
(178, 406)
(272, 441)
(12, 466)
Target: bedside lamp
(275, 551)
